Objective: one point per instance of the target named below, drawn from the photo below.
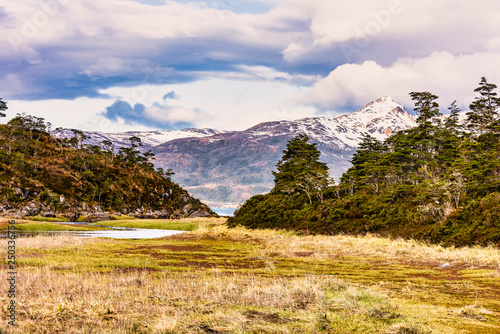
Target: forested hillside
(41, 174)
(439, 181)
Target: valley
(225, 168)
(219, 280)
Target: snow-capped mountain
(230, 167)
(224, 168)
(379, 118)
(149, 138)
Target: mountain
(227, 168)
(224, 168)
(43, 175)
(149, 138)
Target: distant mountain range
(224, 168)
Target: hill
(225, 168)
(45, 175)
(438, 181)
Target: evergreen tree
(300, 171)
(368, 167)
(451, 122)
(426, 108)
(3, 107)
(483, 108)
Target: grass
(48, 219)
(219, 280)
(162, 224)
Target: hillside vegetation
(439, 181)
(41, 174)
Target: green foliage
(484, 107)
(63, 174)
(432, 182)
(300, 171)
(3, 107)
(425, 107)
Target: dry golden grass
(50, 302)
(287, 244)
(157, 298)
(49, 242)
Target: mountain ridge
(224, 168)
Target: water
(115, 233)
(224, 211)
(134, 233)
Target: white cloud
(248, 66)
(451, 77)
(222, 103)
(174, 114)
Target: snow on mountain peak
(379, 118)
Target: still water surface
(115, 233)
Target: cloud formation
(450, 77)
(158, 115)
(347, 53)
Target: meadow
(213, 279)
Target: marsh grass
(51, 302)
(185, 224)
(220, 280)
(48, 219)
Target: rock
(199, 214)
(443, 266)
(48, 214)
(21, 192)
(157, 214)
(72, 216)
(98, 216)
(5, 207)
(30, 209)
(187, 209)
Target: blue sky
(121, 65)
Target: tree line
(62, 173)
(438, 181)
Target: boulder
(98, 216)
(5, 207)
(72, 216)
(156, 214)
(200, 213)
(30, 209)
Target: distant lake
(115, 233)
(224, 211)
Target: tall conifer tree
(3, 107)
(483, 108)
(300, 171)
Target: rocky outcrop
(95, 213)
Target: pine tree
(300, 171)
(367, 165)
(426, 108)
(483, 108)
(3, 107)
(451, 122)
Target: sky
(121, 65)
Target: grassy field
(219, 280)
(186, 224)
